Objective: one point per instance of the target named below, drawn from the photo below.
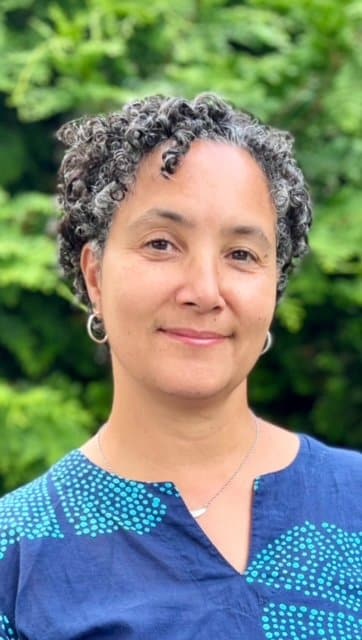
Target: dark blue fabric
(87, 555)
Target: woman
(186, 516)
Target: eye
(244, 255)
(159, 244)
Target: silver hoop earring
(268, 343)
(90, 330)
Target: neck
(152, 438)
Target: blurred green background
(296, 64)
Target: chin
(194, 393)
(194, 390)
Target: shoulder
(31, 511)
(23, 505)
(38, 489)
(332, 479)
(325, 482)
(32, 493)
(345, 463)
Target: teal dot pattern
(27, 513)
(6, 630)
(256, 484)
(323, 562)
(96, 502)
(289, 622)
(167, 487)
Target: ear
(91, 268)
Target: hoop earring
(268, 343)
(92, 336)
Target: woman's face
(196, 252)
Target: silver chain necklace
(196, 513)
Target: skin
(180, 412)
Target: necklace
(197, 513)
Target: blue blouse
(85, 554)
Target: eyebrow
(163, 214)
(180, 219)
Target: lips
(191, 333)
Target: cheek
(255, 299)
(129, 292)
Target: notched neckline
(303, 446)
(260, 484)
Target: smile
(196, 341)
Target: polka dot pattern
(6, 630)
(256, 484)
(27, 513)
(96, 502)
(320, 562)
(289, 622)
(166, 487)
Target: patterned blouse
(87, 555)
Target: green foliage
(298, 65)
(337, 234)
(39, 425)
(23, 220)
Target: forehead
(214, 180)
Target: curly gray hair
(104, 152)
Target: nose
(201, 285)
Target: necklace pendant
(198, 512)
